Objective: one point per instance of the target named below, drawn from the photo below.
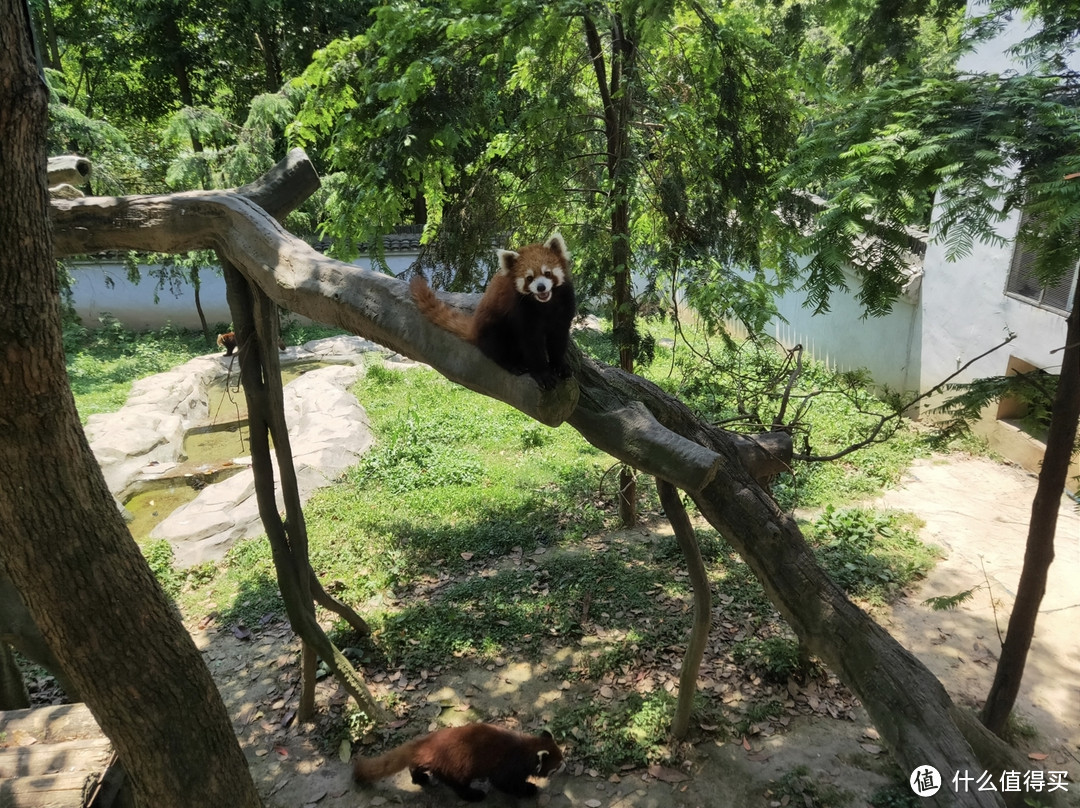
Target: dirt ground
(974, 509)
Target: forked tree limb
(624, 415)
(255, 318)
(255, 324)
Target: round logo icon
(925, 781)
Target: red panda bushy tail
(438, 312)
(368, 770)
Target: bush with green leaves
(872, 554)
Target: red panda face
(538, 268)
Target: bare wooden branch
(699, 582)
(68, 169)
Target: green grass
(103, 362)
(470, 532)
(873, 555)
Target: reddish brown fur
(227, 341)
(459, 755)
(520, 331)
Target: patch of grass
(800, 787)
(103, 362)
(483, 617)
(895, 795)
(448, 482)
(629, 732)
(873, 555)
(246, 588)
(777, 658)
(159, 555)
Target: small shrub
(611, 735)
(870, 554)
(159, 555)
(532, 437)
(777, 658)
(800, 788)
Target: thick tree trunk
(620, 413)
(62, 540)
(616, 94)
(1039, 551)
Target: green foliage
(777, 658)
(944, 603)
(742, 386)
(872, 555)
(973, 140)
(895, 795)
(477, 123)
(103, 362)
(417, 452)
(1032, 392)
(159, 555)
(799, 786)
(447, 477)
(632, 732)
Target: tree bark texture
(622, 414)
(62, 540)
(255, 318)
(699, 582)
(617, 98)
(1039, 549)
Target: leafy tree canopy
(485, 123)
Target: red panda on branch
(459, 755)
(523, 319)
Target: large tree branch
(380, 308)
(616, 411)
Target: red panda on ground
(227, 341)
(459, 755)
(523, 319)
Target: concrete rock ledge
(328, 432)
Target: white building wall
(102, 287)
(886, 346)
(965, 311)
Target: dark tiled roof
(405, 238)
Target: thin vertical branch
(699, 581)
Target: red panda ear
(543, 753)
(506, 261)
(556, 244)
(547, 734)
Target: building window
(1025, 285)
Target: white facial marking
(542, 285)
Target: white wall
(965, 312)
(102, 287)
(964, 307)
(887, 346)
(133, 304)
